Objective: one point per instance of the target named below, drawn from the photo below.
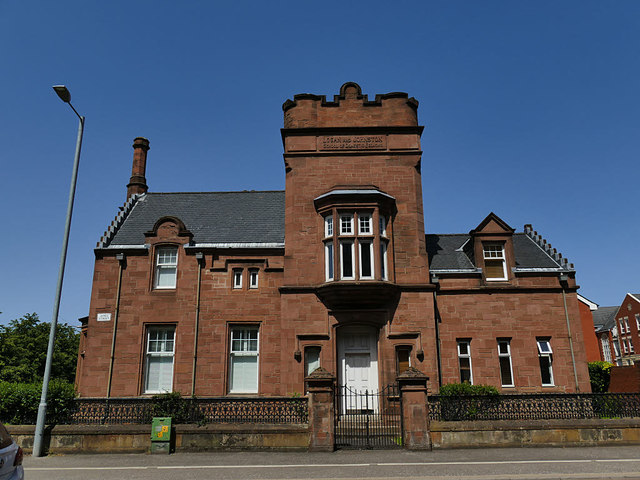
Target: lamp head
(63, 93)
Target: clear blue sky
(532, 110)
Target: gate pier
(321, 385)
(415, 409)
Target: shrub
(463, 401)
(180, 409)
(467, 389)
(19, 402)
(600, 375)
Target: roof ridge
(206, 193)
(548, 249)
(450, 234)
(118, 220)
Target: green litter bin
(161, 435)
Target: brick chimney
(138, 182)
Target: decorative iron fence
(534, 406)
(365, 419)
(267, 410)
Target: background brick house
(227, 293)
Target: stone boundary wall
(522, 433)
(63, 439)
(535, 433)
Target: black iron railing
(534, 406)
(267, 410)
(366, 419)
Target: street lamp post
(65, 96)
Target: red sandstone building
(228, 293)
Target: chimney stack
(138, 182)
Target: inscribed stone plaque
(104, 317)
(352, 142)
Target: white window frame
(616, 350)
(624, 346)
(384, 265)
(545, 352)
(631, 349)
(368, 222)
(343, 244)
(403, 348)
(382, 225)
(621, 322)
(233, 353)
(626, 324)
(162, 265)
(606, 348)
(490, 248)
(237, 278)
(467, 355)
(151, 355)
(307, 353)
(328, 226)
(345, 225)
(638, 322)
(362, 244)
(329, 261)
(506, 355)
(253, 278)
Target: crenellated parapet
(350, 108)
(118, 221)
(546, 246)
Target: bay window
(354, 249)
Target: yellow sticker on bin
(165, 428)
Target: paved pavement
(472, 464)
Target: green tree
(23, 350)
(600, 374)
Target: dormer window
(495, 268)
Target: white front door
(358, 358)
(357, 371)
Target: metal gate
(367, 419)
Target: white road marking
(620, 460)
(337, 465)
(85, 468)
(497, 462)
(308, 465)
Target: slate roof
(637, 295)
(212, 217)
(605, 318)
(258, 217)
(446, 252)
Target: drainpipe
(564, 280)
(121, 262)
(200, 260)
(436, 281)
